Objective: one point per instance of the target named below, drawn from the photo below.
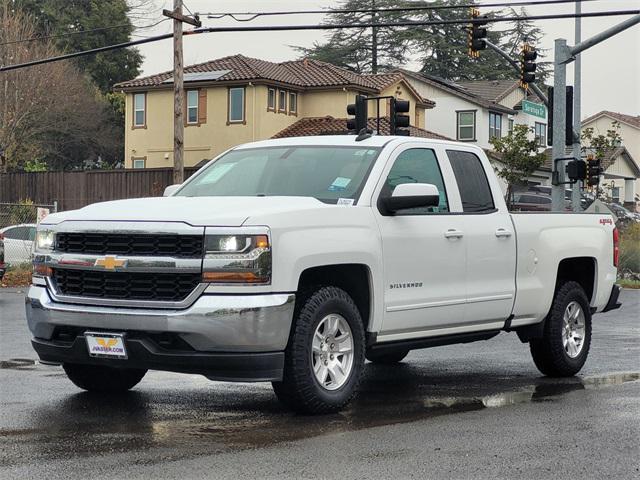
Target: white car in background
(18, 242)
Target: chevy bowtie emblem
(110, 263)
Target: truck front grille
(168, 287)
(168, 245)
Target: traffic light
(477, 34)
(576, 170)
(594, 170)
(528, 65)
(360, 112)
(398, 122)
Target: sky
(610, 70)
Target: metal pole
(516, 66)
(559, 117)
(577, 123)
(610, 32)
(178, 95)
(374, 40)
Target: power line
(80, 32)
(279, 28)
(254, 15)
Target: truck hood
(196, 211)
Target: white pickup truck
(293, 260)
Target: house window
(139, 162)
(271, 99)
(467, 125)
(495, 125)
(615, 194)
(236, 105)
(541, 134)
(293, 102)
(510, 126)
(282, 101)
(192, 106)
(139, 109)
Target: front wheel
(98, 378)
(325, 355)
(564, 346)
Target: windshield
(326, 173)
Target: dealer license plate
(106, 344)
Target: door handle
(453, 233)
(503, 232)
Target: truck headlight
(237, 259)
(45, 240)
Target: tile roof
(634, 121)
(299, 73)
(491, 90)
(456, 89)
(338, 126)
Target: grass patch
(17, 276)
(629, 283)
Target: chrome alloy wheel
(573, 329)
(332, 352)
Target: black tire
(387, 357)
(299, 389)
(548, 352)
(98, 378)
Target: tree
(55, 17)
(440, 50)
(518, 158)
(49, 113)
(597, 146)
(363, 50)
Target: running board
(427, 342)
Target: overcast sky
(610, 70)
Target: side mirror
(411, 195)
(171, 189)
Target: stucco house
(622, 174)
(238, 99)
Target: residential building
(238, 99)
(622, 177)
(475, 111)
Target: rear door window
(472, 182)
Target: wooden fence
(76, 189)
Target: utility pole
(374, 40)
(577, 115)
(562, 56)
(178, 87)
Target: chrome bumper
(213, 323)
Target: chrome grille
(160, 245)
(171, 287)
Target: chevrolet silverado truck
(293, 260)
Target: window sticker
(339, 184)
(345, 202)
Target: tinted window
(17, 233)
(472, 181)
(417, 165)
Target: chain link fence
(18, 229)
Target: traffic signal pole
(564, 55)
(577, 116)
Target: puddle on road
(18, 364)
(191, 423)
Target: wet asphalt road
(478, 411)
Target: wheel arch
(582, 270)
(354, 278)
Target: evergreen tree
(54, 17)
(440, 50)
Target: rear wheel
(325, 355)
(564, 346)
(98, 378)
(387, 357)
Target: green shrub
(630, 249)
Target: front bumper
(231, 337)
